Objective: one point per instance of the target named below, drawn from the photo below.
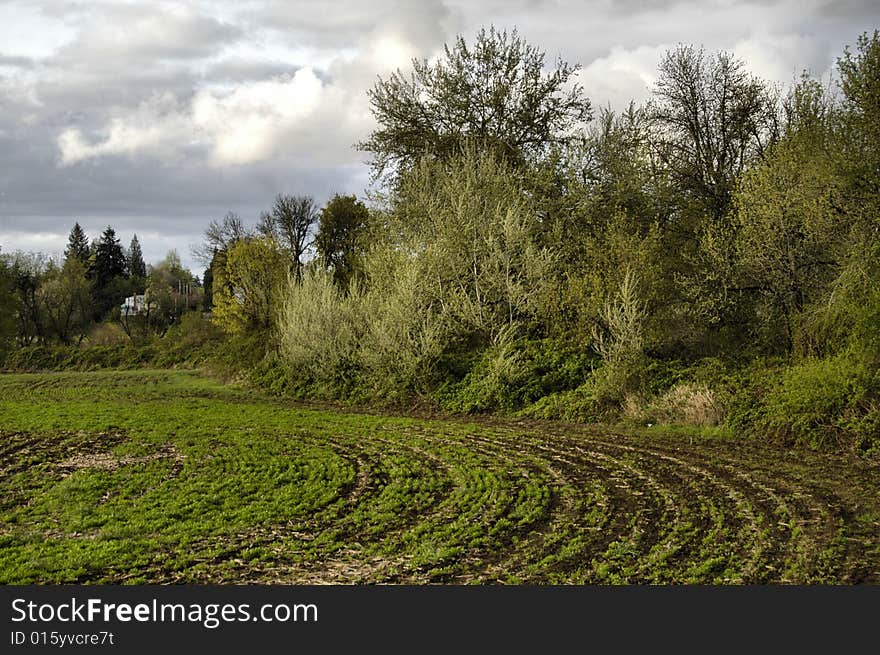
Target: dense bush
(510, 375)
(193, 342)
(819, 403)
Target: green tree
(860, 81)
(849, 314)
(495, 94)
(27, 270)
(186, 293)
(208, 283)
(789, 234)
(246, 287)
(341, 240)
(137, 269)
(77, 245)
(108, 273)
(9, 308)
(65, 297)
(468, 227)
(170, 291)
(713, 119)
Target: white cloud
(782, 57)
(27, 31)
(155, 126)
(249, 122)
(621, 76)
(50, 243)
(390, 52)
(234, 125)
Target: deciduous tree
(496, 93)
(290, 224)
(341, 238)
(246, 286)
(713, 120)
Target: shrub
(686, 403)
(512, 374)
(819, 403)
(319, 331)
(106, 334)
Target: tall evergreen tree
(136, 266)
(77, 245)
(109, 259)
(108, 274)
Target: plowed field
(169, 477)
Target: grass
(168, 476)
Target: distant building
(134, 305)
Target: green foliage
(828, 403)
(77, 245)
(584, 404)
(709, 257)
(341, 241)
(511, 375)
(8, 309)
(790, 234)
(208, 285)
(27, 271)
(246, 287)
(860, 80)
(714, 119)
(137, 269)
(195, 341)
(108, 274)
(495, 94)
(64, 295)
(289, 225)
(454, 264)
(319, 331)
(469, 231)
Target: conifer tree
(77, 245)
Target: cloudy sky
(156, 117)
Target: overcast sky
(156, 117)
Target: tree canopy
(341, 235)
(713, 119)
(290, 224)
(495, 92)
(136, 266)
(77, 245)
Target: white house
(134, 305)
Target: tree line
(708, 256)
(48, 301)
